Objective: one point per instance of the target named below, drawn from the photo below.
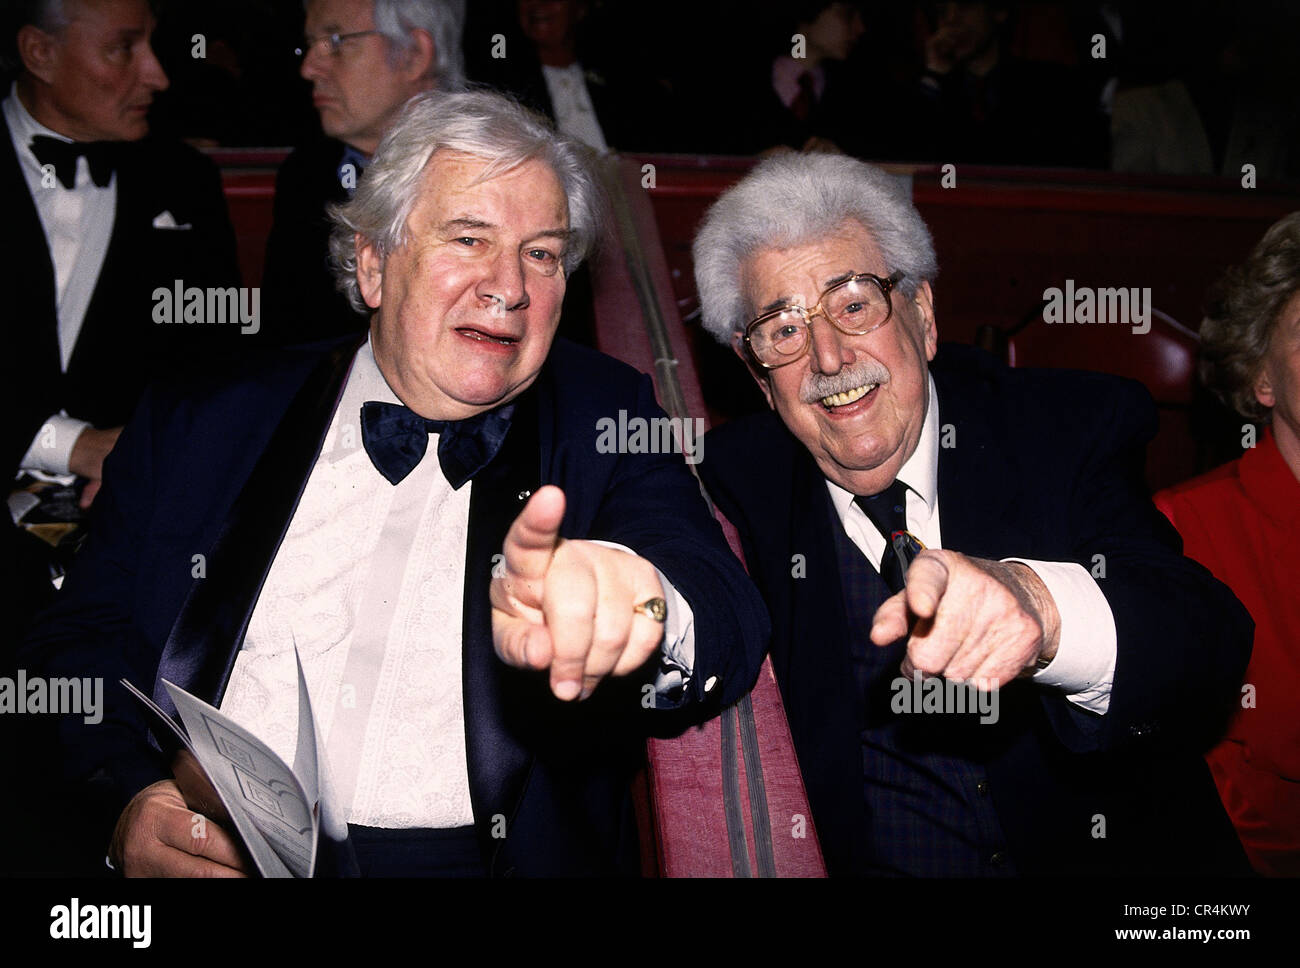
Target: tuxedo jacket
(218, 470)
(119, 348)
(1045, 466)
(302, 303)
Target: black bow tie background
(101, 156)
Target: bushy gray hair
(481, 123)
(1241, 315)
(792, 199)
(444, 20)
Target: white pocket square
(165, 220)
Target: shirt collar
(920, 472)
(364, 382)
(22, 125)
(367, 380)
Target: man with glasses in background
(364, 59)
(993, 657)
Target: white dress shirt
(78, 224)
(369, 585)
(574, 113)
(1084, 665)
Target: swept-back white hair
(480, 123)
(792, 199)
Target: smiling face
(468, 307)
(357, 91)
(856, 402)
(95, 79)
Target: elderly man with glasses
(364, 59)
(993, 657)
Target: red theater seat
(725, 798)
(1164, 359)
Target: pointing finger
(535, 534)
(926, 582)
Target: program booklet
(281, 814)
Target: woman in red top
(1242, 521)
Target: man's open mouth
(848, 396)
(483, 336)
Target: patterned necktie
(101, 156)
(888, 512)
(396, 439)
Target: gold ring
(655, 608)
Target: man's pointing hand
(569, 605)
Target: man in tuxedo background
(364, 59)
(1039, 569)
(100, 216)
(457, 616)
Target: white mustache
(818, 385)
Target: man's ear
(759, 374)
(370, 271)
(923, 306)
(1264, 389)
(420, 58)
(39, 52)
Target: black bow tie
(101, 156)
(396, 439)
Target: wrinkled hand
(971, 619)
(160, 834)
(567, 605)
(87, 459)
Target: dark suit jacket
(120, 348)
(635, 114)
(219, 471)
(301, 301)
(1046, 466)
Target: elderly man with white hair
(491, 610)
(993, 657)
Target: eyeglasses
(333, 42)
(855, 307)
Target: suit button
(982, 788)
(998, 859)
(523, 495)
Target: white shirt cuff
(678, 646)
(1084, 665)
(51, 449)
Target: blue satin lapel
(209, 631)
(495, 736)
